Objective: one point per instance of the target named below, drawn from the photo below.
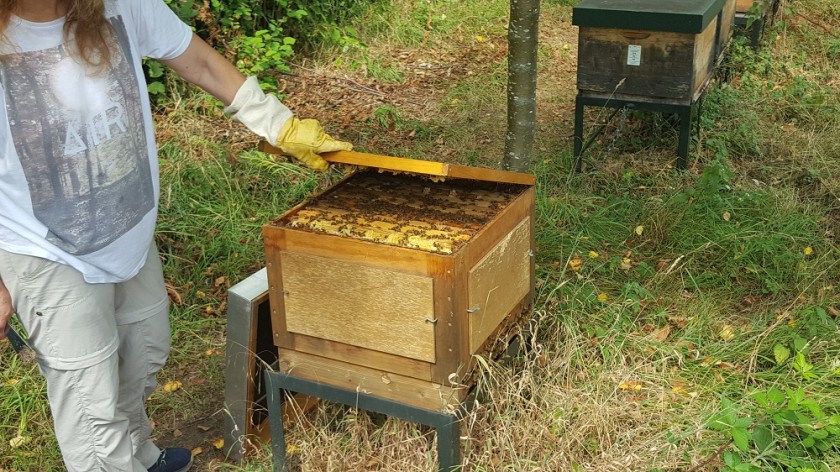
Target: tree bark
(523, 32)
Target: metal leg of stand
(685, 137)
(756, 30)
(449, 445)
(275, 421)
(445, 424)
(578, 146)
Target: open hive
(389, 284)
(405, 211)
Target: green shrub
(259, 36)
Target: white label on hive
(634, 55)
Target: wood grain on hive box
(390, 284)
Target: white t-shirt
(79, 177)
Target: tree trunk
(522, 84)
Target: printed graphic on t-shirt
(81, 142)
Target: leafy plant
(259, 36)
(793, 433)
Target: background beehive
(661, 50)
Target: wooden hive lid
(417, 166)
(678, 16)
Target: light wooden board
(339, 247)
(417, 166)
(704, 57)
(498, 282)
(742, 6)
(727, 21)
(364, 357)
(355, 304)
(387, 385)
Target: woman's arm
(263, 114)
(203, 66)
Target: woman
(78, 197)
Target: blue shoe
(173, 459)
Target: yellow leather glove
(305, 139)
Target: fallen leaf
(219, 443)
(203, 428)
(808, 251)
(625, 264)
(639, 230)
(177, 433)
(219, 281)
(18, 441)
(197, 450)
(727, 216)
(602, 297)
(575, 263)
(679, 389)
(660, 334)
(174, 296)
(593, 254)
(631, 385)
(687, 345)
(727, 333)
(679, 322)
(172, 386)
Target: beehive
(389, 284)
(663, 50)
(743, 6)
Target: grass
(668, 302)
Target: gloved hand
(266, 117)
(305, 139)
(6, 309)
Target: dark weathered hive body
(662, 50)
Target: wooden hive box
(743, 6)
(654, 50)
(388, 283)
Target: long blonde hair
(85, 22)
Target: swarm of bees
(401, 210)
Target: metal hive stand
(252, 386)
(446, 424)
(684, 110)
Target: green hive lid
(678, 16)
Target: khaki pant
(99, 346)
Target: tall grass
(665, 300)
